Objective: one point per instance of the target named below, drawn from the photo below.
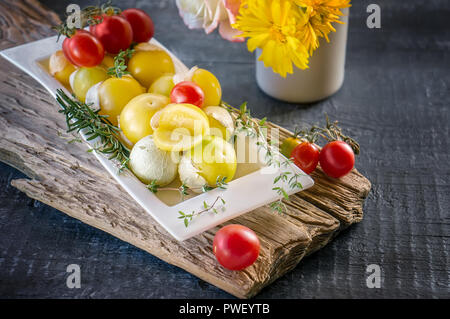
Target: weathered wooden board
(62, 175)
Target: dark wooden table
(395, 101)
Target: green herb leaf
(120, 67)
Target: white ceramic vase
(323, 78)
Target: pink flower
(210, 14)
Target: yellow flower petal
(287, 31)
(257, 41)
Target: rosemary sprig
(187, 218)
(80, 117)
(120, 63)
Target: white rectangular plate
(242, 194)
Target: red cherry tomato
(141, 23)
(114, 32)
(83, 49)
(66, 50)
(306, 156)
(236, 247)
(187, 92)
(337, 159)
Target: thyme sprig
(331, 132)
(120, 63)
(155, 188)
(80, 117)
(255, 128)
(278, 206)
(293, 181)
(220, 184)
(187, 218)
(244, 122)
(184, 189)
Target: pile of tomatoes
(112, 34)
(130, 101)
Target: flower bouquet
(286, 35)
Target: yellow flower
(321, 14)
(287, 31)
(272, 26)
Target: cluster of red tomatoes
(112, 34)
(336, 158)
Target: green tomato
(85, 78)
(162, 85)
(288, 146)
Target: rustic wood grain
(24, 21)
(66, 177)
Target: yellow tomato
(162, 85)
(210, 86)
(85, 78)
(61, 68)
(115, 93)
(214, 159)
(180, 127)
(147, 66)
(136, 115)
